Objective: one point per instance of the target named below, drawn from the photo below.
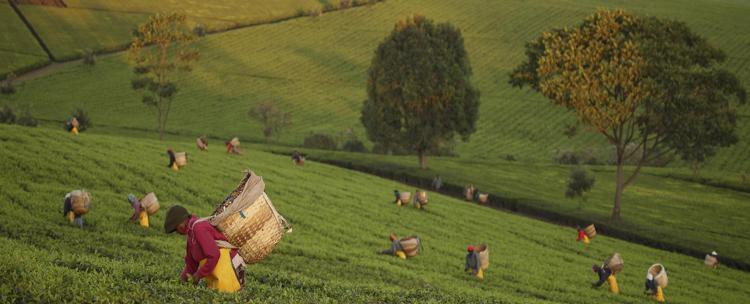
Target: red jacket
(581, 235)
(201, 245)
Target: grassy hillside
(107, 25)
(341, 219)
(18, 48)
(315, 69)
(664, 210)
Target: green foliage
(89, 58)
(354, 145)
(26, 119)
(270, 117)
(579, 183)
(7, 116)
(320, 141)
(7, 86)
(419, 93)
(648, 82)
(329, 258)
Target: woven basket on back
(484, 256)
(660, 275)
(74, 122)
(590, 231)
(615, 263)
(150, 203)
(201, 145)
(255, 229)
(484, 198)
(180, 158)
(404, 197)
(80, 202)
(235, 142)
(422, 197)
(469, 192)
(410, 245)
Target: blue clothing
(395, 246)
(472, 262)
(604, 273)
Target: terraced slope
(341, 219)
(18, 48)
(315, 69)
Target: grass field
(661, 209)
(107, 25)
(18, 48)
(341, 218)
(315, 69)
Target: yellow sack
(143, 216)
(71, 216)
(222, 278)
(74, 130)
(586, 239)
(480, 274)
(401, 254)
(659, 295)
(613, 287)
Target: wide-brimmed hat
(175, 216)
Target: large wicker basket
(257, 228)
(150, 203)
(484, 256)
(590, 231)
(410, 245)
(615, 263)
(201, 145)
(80, 202)
(180, 158)
(484, 198)
(235, 142)
(711, 261)
(660, 275)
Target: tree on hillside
(161, 49)
(418, 90)
(272, 119)
(579, 182)
(644, 82)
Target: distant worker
(72, 126)
(233, 146)
(605, 275)
(472, 263)
(139, 214)
(73, 218)
(712, 260)
(398, 197)
(396, 248)
(202, 143)
(437, 183)
(172, 160)
(208, 255)
(297, 158)
(582, 236)
(654, 287)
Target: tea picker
(72, 126)
(712, 260)
(176, 160)
(403, 248)
(607, 272)
(656, 281)
(149, 205)
(297, 158)
(76, 204)
(233, 146)
(202, 143)
(477, 260)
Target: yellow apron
(175, 167)
(143, 216)
(401, 254)
(71, 216)
(480, 274)
(613, 287)
(659, 294)
(74, 130)
(586, 239)
(222, 278)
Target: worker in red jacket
(582, 236)
(208, 253)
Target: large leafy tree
(419, 93)
(638, 81)
(160, 50)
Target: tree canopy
(419, 94)
(644, 81)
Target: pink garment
(201, 244)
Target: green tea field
(341, 219)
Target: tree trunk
(422, 159)
(619, 187)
